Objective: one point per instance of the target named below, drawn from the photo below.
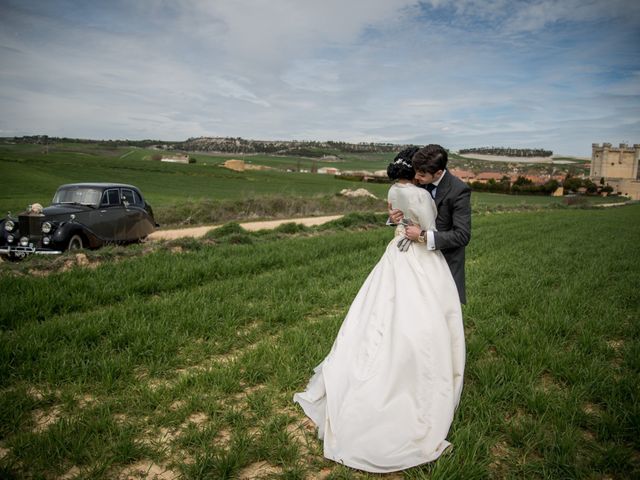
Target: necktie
(431, 188)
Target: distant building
(358, 173)
(619, 167)
(464, 175)
(538, 179)
(328, 170)
(486, 176)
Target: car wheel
(75, 243)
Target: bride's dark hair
(401, 167)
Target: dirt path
(250, 226)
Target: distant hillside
(302, 148)
(47, 140)
(509, 152)
(281, 147)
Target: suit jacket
(453, 200)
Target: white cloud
(229, 88)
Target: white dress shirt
(431, 241)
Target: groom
(453, 201)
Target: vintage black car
(81, 215)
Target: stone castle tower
(620, 167)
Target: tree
(551, 186)
(591, 187)
(522, 181)
(572, 183)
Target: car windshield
(79, 196)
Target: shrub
(290, 228)
(355, 220)
(231, 228)
(575, 200)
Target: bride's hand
(396, 215)
(412, 232)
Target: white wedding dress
(384, 397)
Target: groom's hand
(412, 232)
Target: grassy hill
(178, 191)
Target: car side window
(110, 198)
(128, 197)
(137, 199)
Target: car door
(110, 223)
(135, 215)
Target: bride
(384, 397)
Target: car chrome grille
(30, 225)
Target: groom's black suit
(453, 224)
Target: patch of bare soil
(321, 475)
(119, 418)
(35, 393)
(616, 345)
(177, 405)
(223, 438)
(592, 409)
(258, 470)
(549, 383)
(73, 472)
(86, 401)
(518, 416)
(303, 432)
(45, 418)
(80, 260)
(148, 470)
(500, 453)
(197, 418)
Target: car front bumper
(20, 251)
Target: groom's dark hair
(430, 159)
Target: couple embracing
(384, 397)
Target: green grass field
(184, 360)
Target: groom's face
(425, 178)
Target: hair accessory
(403, 162)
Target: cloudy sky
(554, 74)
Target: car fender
(65, 231)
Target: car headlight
(47, 227)
(46, 240)
(9, 225)
(24, 241)
(10, 238)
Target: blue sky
(554, 74)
